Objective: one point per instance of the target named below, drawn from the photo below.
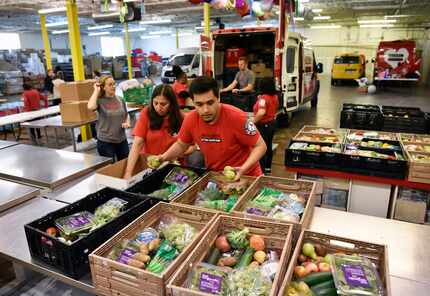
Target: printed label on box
(210, 283)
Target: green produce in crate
(248, 281)
(238, 238)
(179, 234)
(209, 279)
(298, 289)
(166, 253)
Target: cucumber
(317, 278)
(326, 292)
(246, 258)
(322, 286)
(214, 256)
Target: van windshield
(346, 60)
(182, 60)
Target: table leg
(45, 129)
(56, 137)
(72, 133)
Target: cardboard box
(73, 112)
(111, 175)
(411, 211)
(258, 68)
(76, 91)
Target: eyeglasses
(111, 84)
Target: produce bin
(306, 189)
(189, 196)
(377, 254)
(114, 278)
(276, 236)
(361, 116)
(404, 119)
(155, 181)
(417, 149)
(73, 259)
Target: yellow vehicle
(349, 66)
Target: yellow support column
(46, 45)
(76, 50)
(127, 43)
(207, 19)
(177, 38)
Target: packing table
(5, 144)
(13, 194)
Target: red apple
(300, 271)
(323, 267)
(311, 267)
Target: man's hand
(239, 174)
(127, 175)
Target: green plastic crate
(140, 95)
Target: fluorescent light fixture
(100, 27)
(51, 10)
(156, 22)
(324, 17)
(326, 27)
(134, 30)
(397, 16)
(183, 34)
(60, 32)
(150, 37)
(377, 26)
(299, 18)
(258, 26)
(317, 10)
(160, 32)
(376, 21)
(199, 28)
(98, 33)
(305, 1)
(59, 24)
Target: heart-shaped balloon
(395, 57)
(244, 10)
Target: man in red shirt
(224, 134)
(31, 98)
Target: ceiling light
(160, 32)
(51, 10)
(135, 30)
(154, 22)
(317, 10)
(377, 26)
(305, 1)
(397, 16)
(325, 17)
(100, 27)
(59, 24)
(98, 33)
(326, 27)
(199, 28)
(183, 34)
(60, 32)
(376, 21)
(150, 37)
(299, 18)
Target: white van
(188, 59)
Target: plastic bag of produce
(248, 281)
(356, 275)
(128, 252)
(75, 224)
(108, 211)
(181, 177)
(167, 193)
(219, 204)
(178, 233)
(284, 214)
(208, 278)
(166, 253)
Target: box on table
(376, 253)
(276, 236)
(75, 112)
(114, 278)
(76, 91)
(410, 210)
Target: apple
(300, 271)
(311, 267)
(302, 258)
(323, 266)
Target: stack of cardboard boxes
(74, 100)
(261, 71)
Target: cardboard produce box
(76, 91)
(411, 210)
(77, 111)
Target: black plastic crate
(404, 119)
(72, 259)
(312, 159)
(154, 181)
(361, 117)
(376, 149)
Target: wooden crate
(276, 236)
(114, 278)
(378, 254)
(309, 130)
(189, 196)
(419, 171)
(287, 185)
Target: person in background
(157, 128)
(244, 80)
(265, 118)
(180, 87)
(32, 98)
(224, 134)
(112, 119)
(59, 79)
(96, 75)
(49, 87)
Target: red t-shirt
(156, 141)
(32, 100)
(227, 142)
(268, 102)
(178, 88)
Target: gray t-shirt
(244, 78)
(112, 112)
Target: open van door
(206, 56)
(290, 75)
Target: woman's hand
(126, 125)
(97, 87)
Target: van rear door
(290, 75)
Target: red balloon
(195, 1)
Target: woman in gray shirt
(112, 119)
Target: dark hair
(177, 71)
(175, 117)
(60, 75)
(267, 86)
(245, 59)
(203, 84)
(96, 73)
(26, 86)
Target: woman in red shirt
(32, 98)
(265, 119)
(180, 87)
(157, 128)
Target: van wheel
(333, 82)
(314, 101)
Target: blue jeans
(117, 151)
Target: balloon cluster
(262, 9)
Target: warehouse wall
(166, 45)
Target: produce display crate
(417, 150)
(306, 188)
(404, 119)
(361, 116)
(139, 95)
(114, 278)
(73, 259)
(276, 236)
(376, 253)
(154, 181)
(189, 196)
(317, 130)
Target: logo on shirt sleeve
(250, 128)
